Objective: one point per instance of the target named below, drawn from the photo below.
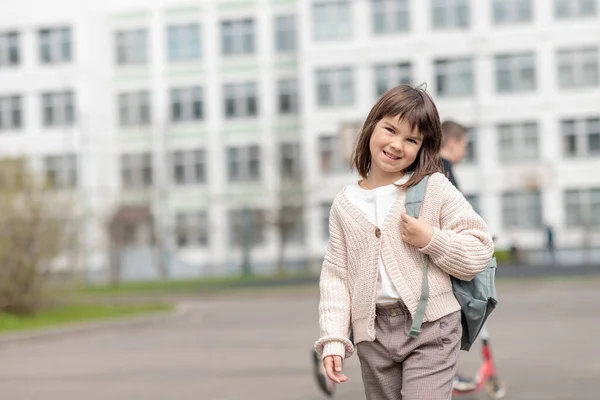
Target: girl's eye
(412, 141)
(390, 130)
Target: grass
(75, 313)
(194, 286)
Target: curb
(96, 326)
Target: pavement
(257, 346)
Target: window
(582, 207)
(191, 229)
(287, 97)
(329, 154)
(285, 33)
(243, 163)
(518, 142)
(61, 171)
(507, 11)
(332, 20)
(58, 109)
(241, 100)
(577, 68)
(188, 167)
(10, 49)
(454, 77)
(132, 47)
(187, 104)
(237, 37)
(515, 73)
(136, 170)
(55, 45)
(581, 137)
(390, 16)
(522, 210)
(11, 113)
(246, 227)
(451, 14)
(134, 108)
(184, 42)
(335, 87)
(388, 76)
(291, 167)
(325, 209)
(473, 199)
(292, 224)
(471, 155)
(568, 9)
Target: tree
(35, 229)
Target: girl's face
(394, 146)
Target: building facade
(224, 117)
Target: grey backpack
(477, 297)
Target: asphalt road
(544, 336)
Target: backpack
(477, 298)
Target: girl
(372, 274)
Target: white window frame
(188, 167)
(285, 33)
(255, 230)
(287, 96)
(332, 20)
(191, 229)
(387, 76)
(325, 211)
(184, 42)
(339, 85)
(243, 163)
(390, 16)
(518, 142)
(526, 208)
(580, 133)
(573, 64)
(290, 161)
(11, 112)
(515, 73)
(134, 108)
(459, 75)
(58, 109)
(571, 9)
(10, 49)
(512, 11)
(187, 104)
(582, 207)
(244, 99)
(131, 47)
(64, 171)
(55, 45)
(140, 168)
(238, 37)
(450, 14)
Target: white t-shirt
(375, 205)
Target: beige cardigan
(461, 246)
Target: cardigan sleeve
(462, 246)
(334, 305)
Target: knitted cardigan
(461, 246)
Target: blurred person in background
(454, 149)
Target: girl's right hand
(333, 368)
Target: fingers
(333, 368)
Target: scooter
(486, 378)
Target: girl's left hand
(417, 232)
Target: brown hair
(414, 106)
(452, 129)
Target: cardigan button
(378, 232)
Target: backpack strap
(414, 199)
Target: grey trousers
(398, 367)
